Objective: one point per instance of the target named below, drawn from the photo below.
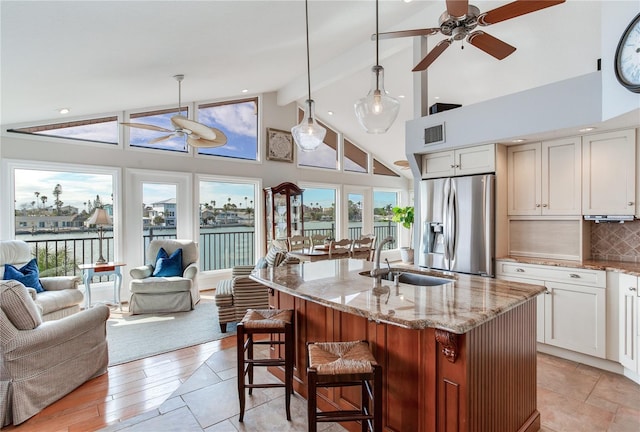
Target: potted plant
(404, 215)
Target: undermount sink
(413, 278)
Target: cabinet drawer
(593, 278)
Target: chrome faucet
(376, 271)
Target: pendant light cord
(377, 54)
(306, 13)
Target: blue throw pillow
(168, 265)
(28, 275)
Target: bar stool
(344, 364)
(265, 321)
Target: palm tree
(43, 198)
(37, 194)
(57, 191)
(245, 202)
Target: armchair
(153, 294)
(42, 362)
(61, 296)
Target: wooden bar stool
(344, 364)
(265, 321)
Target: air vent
(434, 134)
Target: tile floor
(571, 398)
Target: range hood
(609, 218)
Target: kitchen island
(458, 356)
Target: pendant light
(308, 135)
(377, 111)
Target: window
(355, 159)
(227, 224)
(145, 138)
(239, 122)
(326, 155)
(51, 208)
(101, 130)
(158, 212)
(380, 169)
(319, 211)
(354, 214)
(383, 204)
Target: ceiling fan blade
(147, 126)
(433, 54)
(515, 9)
(198, 142)
(403, 164)
(457, 8)
(162, 138)
(491, 45)
(406, 33)
(189, 126)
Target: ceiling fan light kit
(197, 134)
(308, 135)
(459, 22)
(377, 111)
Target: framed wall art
(279, 145)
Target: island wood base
(433, 380)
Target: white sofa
(61, 296)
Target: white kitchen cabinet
(464, 161)
(628, 329)
(571, 313)
(545, 178)
(609, 173)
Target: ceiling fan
(198, 135)
(402, 164)
(459, 21)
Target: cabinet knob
(574, 276)
(519, 270)
(630, 203)
(544, 205)
(458, 166)
(537, 205)
(453, 166)
(632, 289)
(547, 292)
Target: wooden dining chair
(340, 248)
(298, 242)
(372, 249)
(361, 248)
(317, 240)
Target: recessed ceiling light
(587, 129)
(407, 1)
(64, 110)
(330, 112)
(400, 96)
(519, 140)
(245, 90)
(436, 97)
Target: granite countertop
(606, 265)
(459, 306)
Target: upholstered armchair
(159, 293)
(61, 296)
(40, 362)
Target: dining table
(318, 253)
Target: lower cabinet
(629, 331)
(572, 311)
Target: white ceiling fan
(198, 135)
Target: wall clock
(627, 59)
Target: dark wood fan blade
(457, 8)
(162, 138)
(515, 9)
(491, 45)
(433, 54)
(147, 126)
(406, 33)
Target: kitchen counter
(606, 265)
(459, 306)
(460, 354)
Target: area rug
(137, 336)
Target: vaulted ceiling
(104, 56)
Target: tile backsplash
(615, 241)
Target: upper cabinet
(464, 161)
(544, 178)
(609, 173)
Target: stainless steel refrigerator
(458, 224)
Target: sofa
(40, 362)
(236, 295)
(61, 296)
(159, 294)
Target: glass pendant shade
(308, 135)
(377, 111)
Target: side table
(89, 270)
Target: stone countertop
(606, 265)
(459, 306)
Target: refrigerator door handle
(445, 221)
(453, 229)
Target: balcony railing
(218, 250)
